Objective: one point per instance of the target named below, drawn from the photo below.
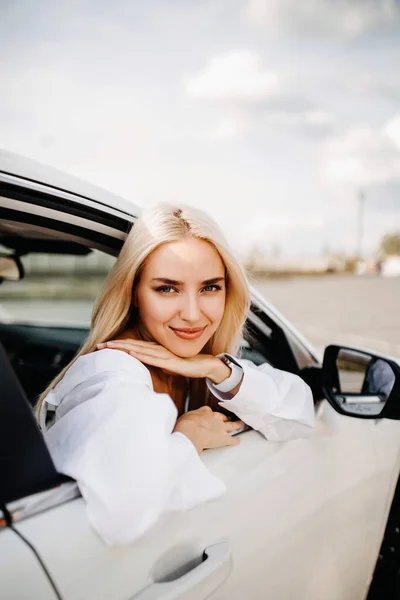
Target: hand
(150, 353)
(208, 429)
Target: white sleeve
(276, 403)
(119, 446)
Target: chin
(186, 352)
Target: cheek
(154, 309)
(214, 309)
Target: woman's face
(181, 295)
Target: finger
(220, 416)
(204, 408)
(119, 344)
(146, 356)
(234, 426)
(105, 346)
(233, 441)
(131, 342)
(140, 343)
(113, 344)
(118, 349)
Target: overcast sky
(269, 114)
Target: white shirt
(114, 435)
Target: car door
(17, 558)
(300, 519)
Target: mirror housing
(11, 268)
(359, 384)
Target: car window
(57, 288)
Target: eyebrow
(174, 282)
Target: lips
(189, 333)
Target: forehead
(187, 259)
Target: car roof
(33, 171)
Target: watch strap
(234, 378)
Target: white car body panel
(303, 519)
(21, 576)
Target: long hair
(114, 309)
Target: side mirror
(11, 268)
(360, 384)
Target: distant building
(278, 264)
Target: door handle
(196, 584)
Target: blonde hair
(113, 311)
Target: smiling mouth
(188, 334)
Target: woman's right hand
(208, 429)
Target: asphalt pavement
(361, 311)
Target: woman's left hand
(150, 353)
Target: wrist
(218, 371)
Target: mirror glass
(9, 269)
(364, 382)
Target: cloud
(284, 232)
(237, 75)
(64, 120)
(364, 156)
(384, 200)
(241, 122)
(227, 128)
(253, 99)
(322, 17)
(112, 94)
(374, 85)
(392, 130)
(311, 122)
(282, 225)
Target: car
(311, 519)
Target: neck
(163, 377)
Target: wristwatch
(234, 378)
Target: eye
(212, 288)
(165, 289)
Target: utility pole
(360, 224)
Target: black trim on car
(285, 357)
(70, 228)
(26, 182)
(62, 205)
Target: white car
(310, 519)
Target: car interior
(21, 477)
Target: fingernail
(100, 345)
(110, 344)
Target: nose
(190, 308)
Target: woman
(143, 398)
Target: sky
(271, 115)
